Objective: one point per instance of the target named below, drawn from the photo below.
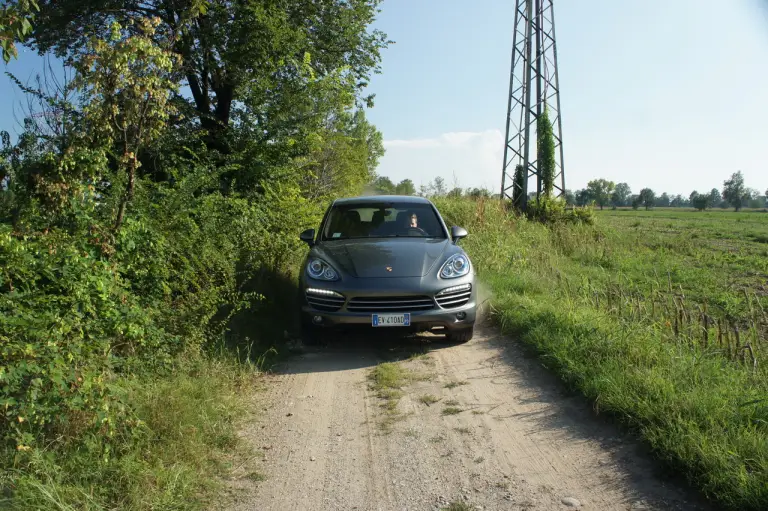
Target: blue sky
(671, 94)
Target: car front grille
(390, 304)
(454, 297)
(325, 303)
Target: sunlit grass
(183, 443)
(599, 304)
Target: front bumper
(450, 317)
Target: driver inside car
(414, 221)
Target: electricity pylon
(533, 84)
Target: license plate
(391, 319)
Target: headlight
(320, 270)
(456, 266)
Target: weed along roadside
(628, 315)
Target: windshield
(382, 220)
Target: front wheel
(460, 336)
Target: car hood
(371, 258)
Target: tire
(312, 335)
(460, 336)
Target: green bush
(552, 210)
(67, 323)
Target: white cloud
(417, 143)
(465, 158)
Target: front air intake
(455, 296)
(390, 304)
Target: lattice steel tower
(533, 83)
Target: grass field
(715, 256)
(710, 267)
(658, 317)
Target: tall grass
(642, 343)
(182, 444)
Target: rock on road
(518, 442)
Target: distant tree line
(383, 185)
(602, 193)
(599, 192)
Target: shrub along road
(415, 424)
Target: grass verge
(703, 413)
(182, 443)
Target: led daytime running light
(322, 292)
(455, 289)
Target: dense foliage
(139, 225)
(14, 25)
(545, 152)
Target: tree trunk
(128, 196)
(201, 83)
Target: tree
(258, 67)
(456, 193)
(663, 200)
(545, 152)
(126, 83)
(700, 202)
(15, 23)
(692, 196)
(621, 195)
(344, 158)
(714, 197)
(677, 201)
(437, 187)
(583, 197)
(635, 201)
(405, 187)
(733, 190)
(477, 193)
(384, 186)
(570, 198)
(600, 191)
(752, 199)
(647, 198)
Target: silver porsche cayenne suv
(386, 262)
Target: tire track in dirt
(518, 442)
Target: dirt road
(502, 434)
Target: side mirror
(458, 232)
(308, 237)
